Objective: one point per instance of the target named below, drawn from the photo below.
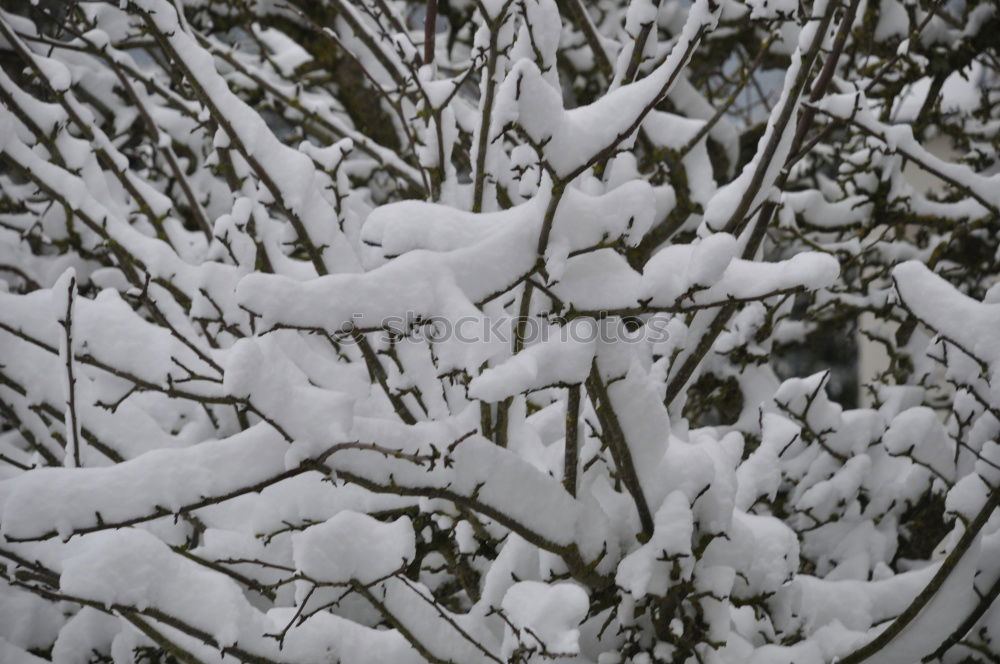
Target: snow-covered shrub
(374, 331)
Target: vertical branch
(72, 425)
(825, 77)
(637, 48)
(500, 426)
(430, 30)
(485, 417)
(524, 310)
(486, 109)
(571, 453)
